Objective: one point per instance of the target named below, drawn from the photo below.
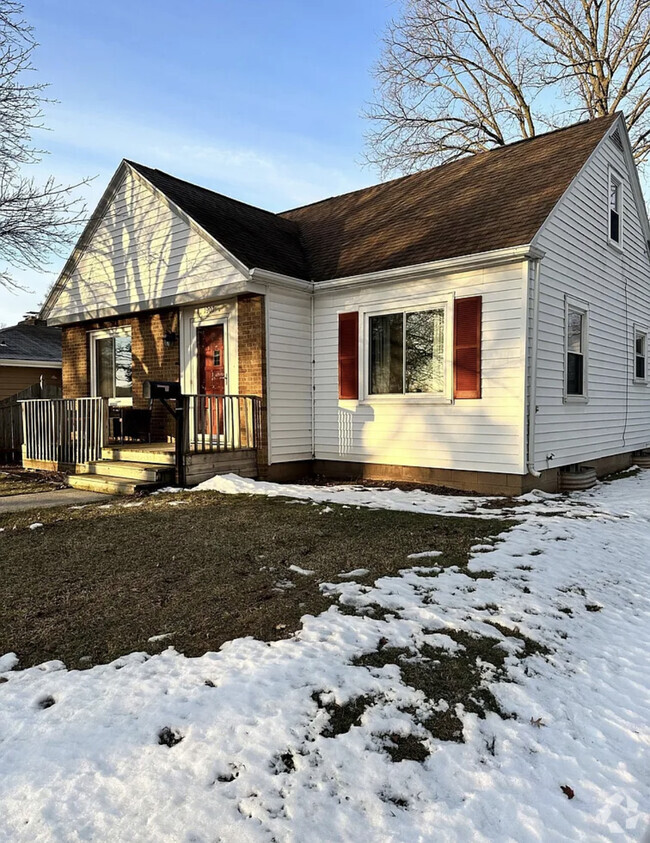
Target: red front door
(212, 375)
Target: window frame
(571, 304)
(613, 177)
(107, 333)
(404, 306)
(639, 331)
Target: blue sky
(258, 99)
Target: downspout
(532, 390)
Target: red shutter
(348, 355)
(467, 347)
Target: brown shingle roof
(492, 200)
(254, 236)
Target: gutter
(532, 390)
(31, 364)
(457, 264)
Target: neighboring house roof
(30, 341)
(492, 200)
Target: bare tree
(37, 219)
(462, 76)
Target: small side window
(640, 355)
(615, 209)
(576, 348)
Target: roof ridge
(140, 167)
(445, 164)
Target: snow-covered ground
(80, 757)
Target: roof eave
(478, 260)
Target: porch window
(407, 353)
(113, 365)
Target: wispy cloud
(293, 170)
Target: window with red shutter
(349, 355)
(467, 347)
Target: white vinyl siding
(485, 434)
(142, 255)
(288, 316)
(614, 285)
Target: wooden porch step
(145, 472)
(110, 485)
(154, 455)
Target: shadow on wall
(483, 434)
(141, 252)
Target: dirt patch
(342, 716)
(449, 678)
(193, 570)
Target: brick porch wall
(251, 330)
(151, 360)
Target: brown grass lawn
(17, 481)
(95, 583)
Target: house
(30, 353)
(481, 325)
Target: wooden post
(179, 415)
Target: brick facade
(151, 360)
(251, 329)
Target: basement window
(112, 365)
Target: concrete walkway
(57, 497)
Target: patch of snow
(304, 571)
(35, 525)
(161, 637)
(425, 554)
(358, 572)
(93, 762)
(8, 662)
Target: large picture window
(407, 353)
(113, 366)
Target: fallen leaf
(538, 723)
(567, 791)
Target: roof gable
(256, 237)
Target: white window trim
(105, 334)
(614, 176)
(582, 307)
(198, 316)
(444, 303)
(638, 330)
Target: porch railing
(66, 431)
(215, 423)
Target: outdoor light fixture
(170, 338)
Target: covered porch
(209, 434)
